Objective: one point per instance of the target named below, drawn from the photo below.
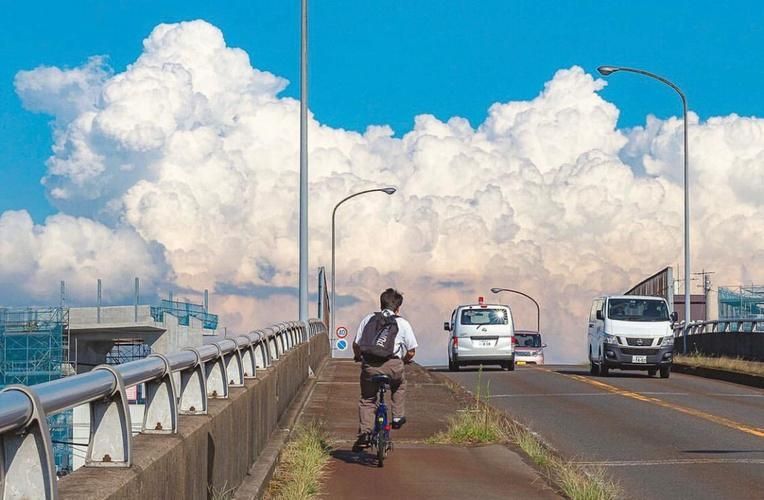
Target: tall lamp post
(608, 70)
(538, 308)
(303, 299)
(387, 190)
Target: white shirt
(404, 341)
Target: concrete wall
(111, 314)
(211, 454)
(731, 344)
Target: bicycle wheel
(381, 448)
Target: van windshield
(637, 310)
(485, 316)
(528, 339)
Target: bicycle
(380, 435)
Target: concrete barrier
(211, 454)
(746, 345)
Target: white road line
(678, 461)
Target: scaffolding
(745, 302)
(183, 311)
(34, 348)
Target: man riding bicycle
(383, 344)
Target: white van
(630, 332)
(481, 334)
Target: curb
(714, 373)
(255, 484)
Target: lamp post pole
(333, 331)
(607, 70)
(538, 308)
(303, 299)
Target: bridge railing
(180, 383)
(721, 326)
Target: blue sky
(376, 62)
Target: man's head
(391, 299)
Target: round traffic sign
(342, 344)
(342, 332)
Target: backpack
(377, 341)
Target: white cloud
(191, 149)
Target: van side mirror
(674, 317)
(544, 346)
(599, 315)
(447, 326)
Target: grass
(721, 363)
(302, 465)
(483, 424)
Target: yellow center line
(756, 431)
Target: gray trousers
(393, 368)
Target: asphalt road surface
(682, 437)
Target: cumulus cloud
(34, 257)
(192, 150)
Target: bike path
(413, 469)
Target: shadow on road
(466, 369)
(351, 457)
(614, 375)
(715, 452)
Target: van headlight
(611, 339)
(667, 341)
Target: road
(683, 437)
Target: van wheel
(651, 372)
(510, 365)
(665, 371)
(604, 370)
(452, 366)
(594, 369)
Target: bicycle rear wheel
(381, 448)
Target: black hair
(390, 299)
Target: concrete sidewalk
(413, 469)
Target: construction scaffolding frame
(745, 302)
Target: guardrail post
(110, 428)
(27, 468)
(273, 346)
(234, 368)
(217, 379)
(248, 360)
(161, 414)
(193, 388)
(261, 352)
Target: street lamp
(538, 308)
(386, 190)
(303, 230)
(608, 70)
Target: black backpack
(377, 342)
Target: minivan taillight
(514, 340)
(456, 342)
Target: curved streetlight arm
(386, 190)
(607, 70)
(538, 307)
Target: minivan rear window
(637, 310)
(486, 316)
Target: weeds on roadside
(475, 425)
(697, 359)
(302, 465)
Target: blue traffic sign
(342, 344)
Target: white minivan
(630, 332)
(481, 334)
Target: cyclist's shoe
(398, 422)
(362, 442)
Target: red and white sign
(342, 332)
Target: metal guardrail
(27, 469)
(721, 326)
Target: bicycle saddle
(380, 379)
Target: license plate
(639, 359)
(519, 362)
(484, 343)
